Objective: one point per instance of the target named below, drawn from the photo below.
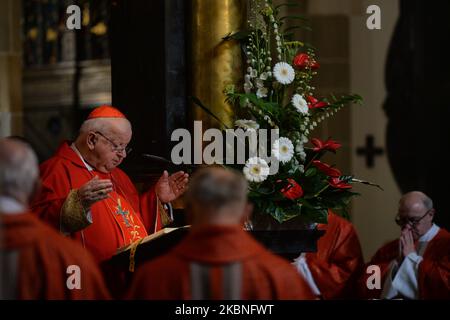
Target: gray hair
(427, 202)
(19, 169)
(98, 124)
(217, 188)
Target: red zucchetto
(105, 112)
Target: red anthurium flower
(293, 190)
(315, 65)
(303, 61)
(327, 169)
(313, 103)
(320, 145)
(339, 184)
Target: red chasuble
(434, 270)
(338, 262)
(42, 258)
(208, 260)
(123, 218)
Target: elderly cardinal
(86, 196)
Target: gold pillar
(214, 63)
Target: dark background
(417, 104)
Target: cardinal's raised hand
(94, 190)
(168, 188)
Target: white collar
(9, 205)
(74, 148)
(430, 234)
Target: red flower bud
(315, 65)
(303, 61)
(325, 145)
(314, 103)
(293, 190)
(327, 169)
(339, 184)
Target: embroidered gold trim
(165, 218)
(133, 254)
(73, 215)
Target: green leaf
(269, 108)
(316, 214)
(310, 172)
(287, 4)
(296, 17)
(292, 28)
(239, 35)
(314, 185)
(305, 27)
(288, 36)
(343, 212)
(198, 103)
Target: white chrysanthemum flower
(283, 149)
(300, 104)
(246, 124)
(284, 73)
(256, 169)
(262, 92)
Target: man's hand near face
(407, 244)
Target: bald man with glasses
(417, 265)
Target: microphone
(168, 162)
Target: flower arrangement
(277, 93)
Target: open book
(152, 246)
(151, 237)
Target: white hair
(19, 169)
(99, 124)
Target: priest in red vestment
(85, 195)
(35, 261)
(417, 265)
(218, 259)
(332, 271)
